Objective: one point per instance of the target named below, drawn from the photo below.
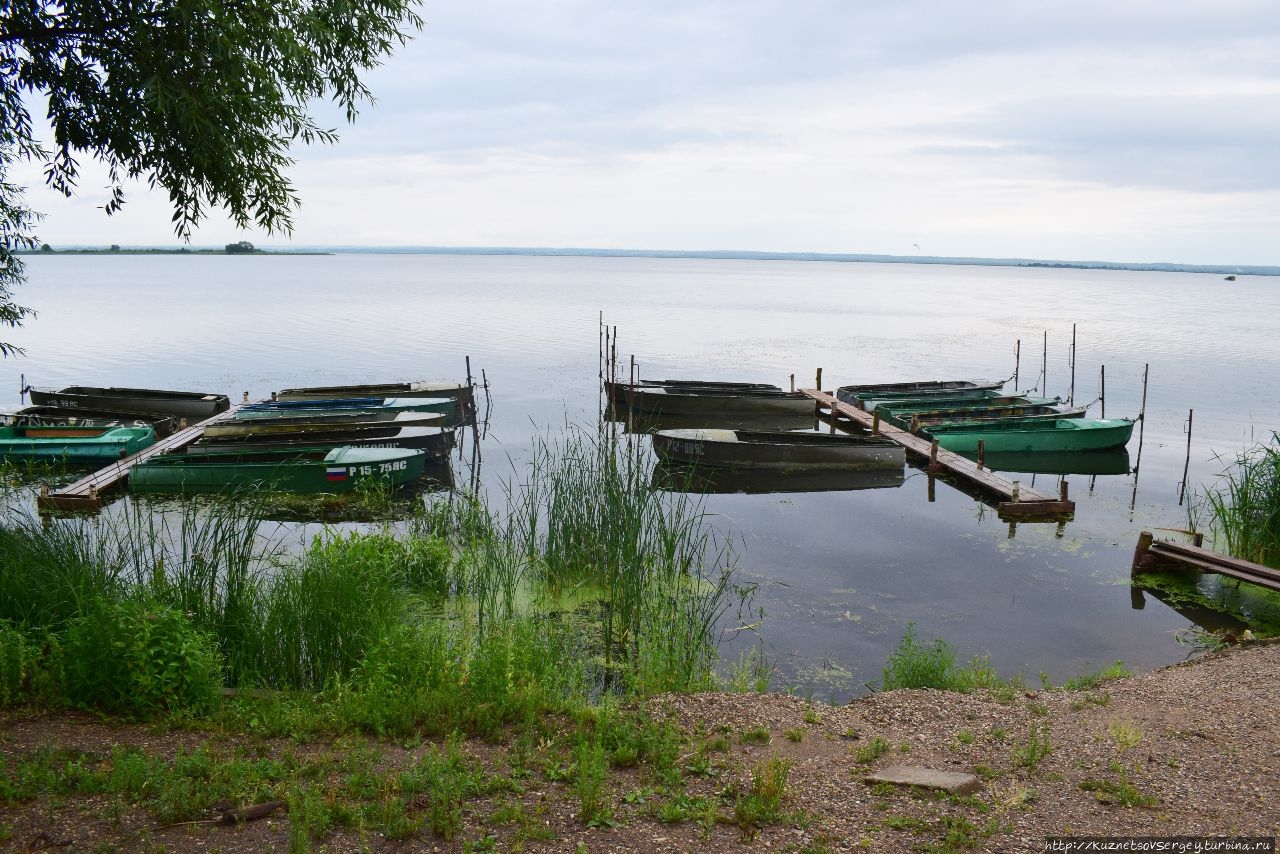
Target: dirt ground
(1189, 750)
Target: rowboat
(862, 396)
(435, 442)
(683, 477)
(1033, 435)
(932, 418)
(615, 390)
(73, 443)
(194, 405)
(350, 409)
(715, 402)
(307, 470)
(35, 416)
(462, 393)
(973, 397)
(286, 429)
(748, 448)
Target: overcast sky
(1120, 131)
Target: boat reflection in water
(677, 477)
(1113, 461)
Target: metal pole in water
(1182, 490)
(1142, 423)
(1102, 388)
(1044, 365)
(1071, 397)
(1017, 362)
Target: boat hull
(68, 443)
(192, 405)
(1034, 436)
(751, 449)
(34, 416)
(287, 429)
(338, 470)
(462, 394)
(434, 442)
(651, 402)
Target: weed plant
(1244, 512)
(917, 665)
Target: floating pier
(85, 495)
(1014, 501)
(1152, 555)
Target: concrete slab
(953, 782)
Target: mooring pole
(817, 380)
(600, 349)
(1071, 396)
(1102, 388)
(982, 453)
(1142, 423)
(1017, 362)
(1182, 491)
(793, 382)
(631, 409)
(1044, 365)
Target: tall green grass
(1244, 511)
(462, 618)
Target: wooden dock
(1014, 501)
(1152, 555)
(85, 495)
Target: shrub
(134, 657)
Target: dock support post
(793, 382)
(933, 455)
(1140, 552)
(982, 453)
(875, 423)
(1015, 494)
(915, 425)
(817, 380)
(1197, 539)
(932, 482)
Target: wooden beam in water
(1152, 555)
(1018, 501)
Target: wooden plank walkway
(85, 495)
(1152, 555)
(1014, 502)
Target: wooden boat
(462, 393)
(975, 397)
(73, 443)
(435, 442)
(1033, 435)
(286, 429)
(615, 391)
(747, 448)
(351, 409)
(922, 387)
(716, 402)
(924, 420)
(852, 394)
(305, 470)
(683, 477)
(193, 405)
(35, 416)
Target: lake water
(840, 574)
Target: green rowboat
(1033, 435)
(73, 443)
(305, 470)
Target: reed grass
(1244, 511)
(588, 584)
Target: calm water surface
(840, 574)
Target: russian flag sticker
(335, 473)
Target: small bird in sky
(916, 245)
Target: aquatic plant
(1244, 511)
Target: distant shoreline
(717, 255)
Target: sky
(1128, 131)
